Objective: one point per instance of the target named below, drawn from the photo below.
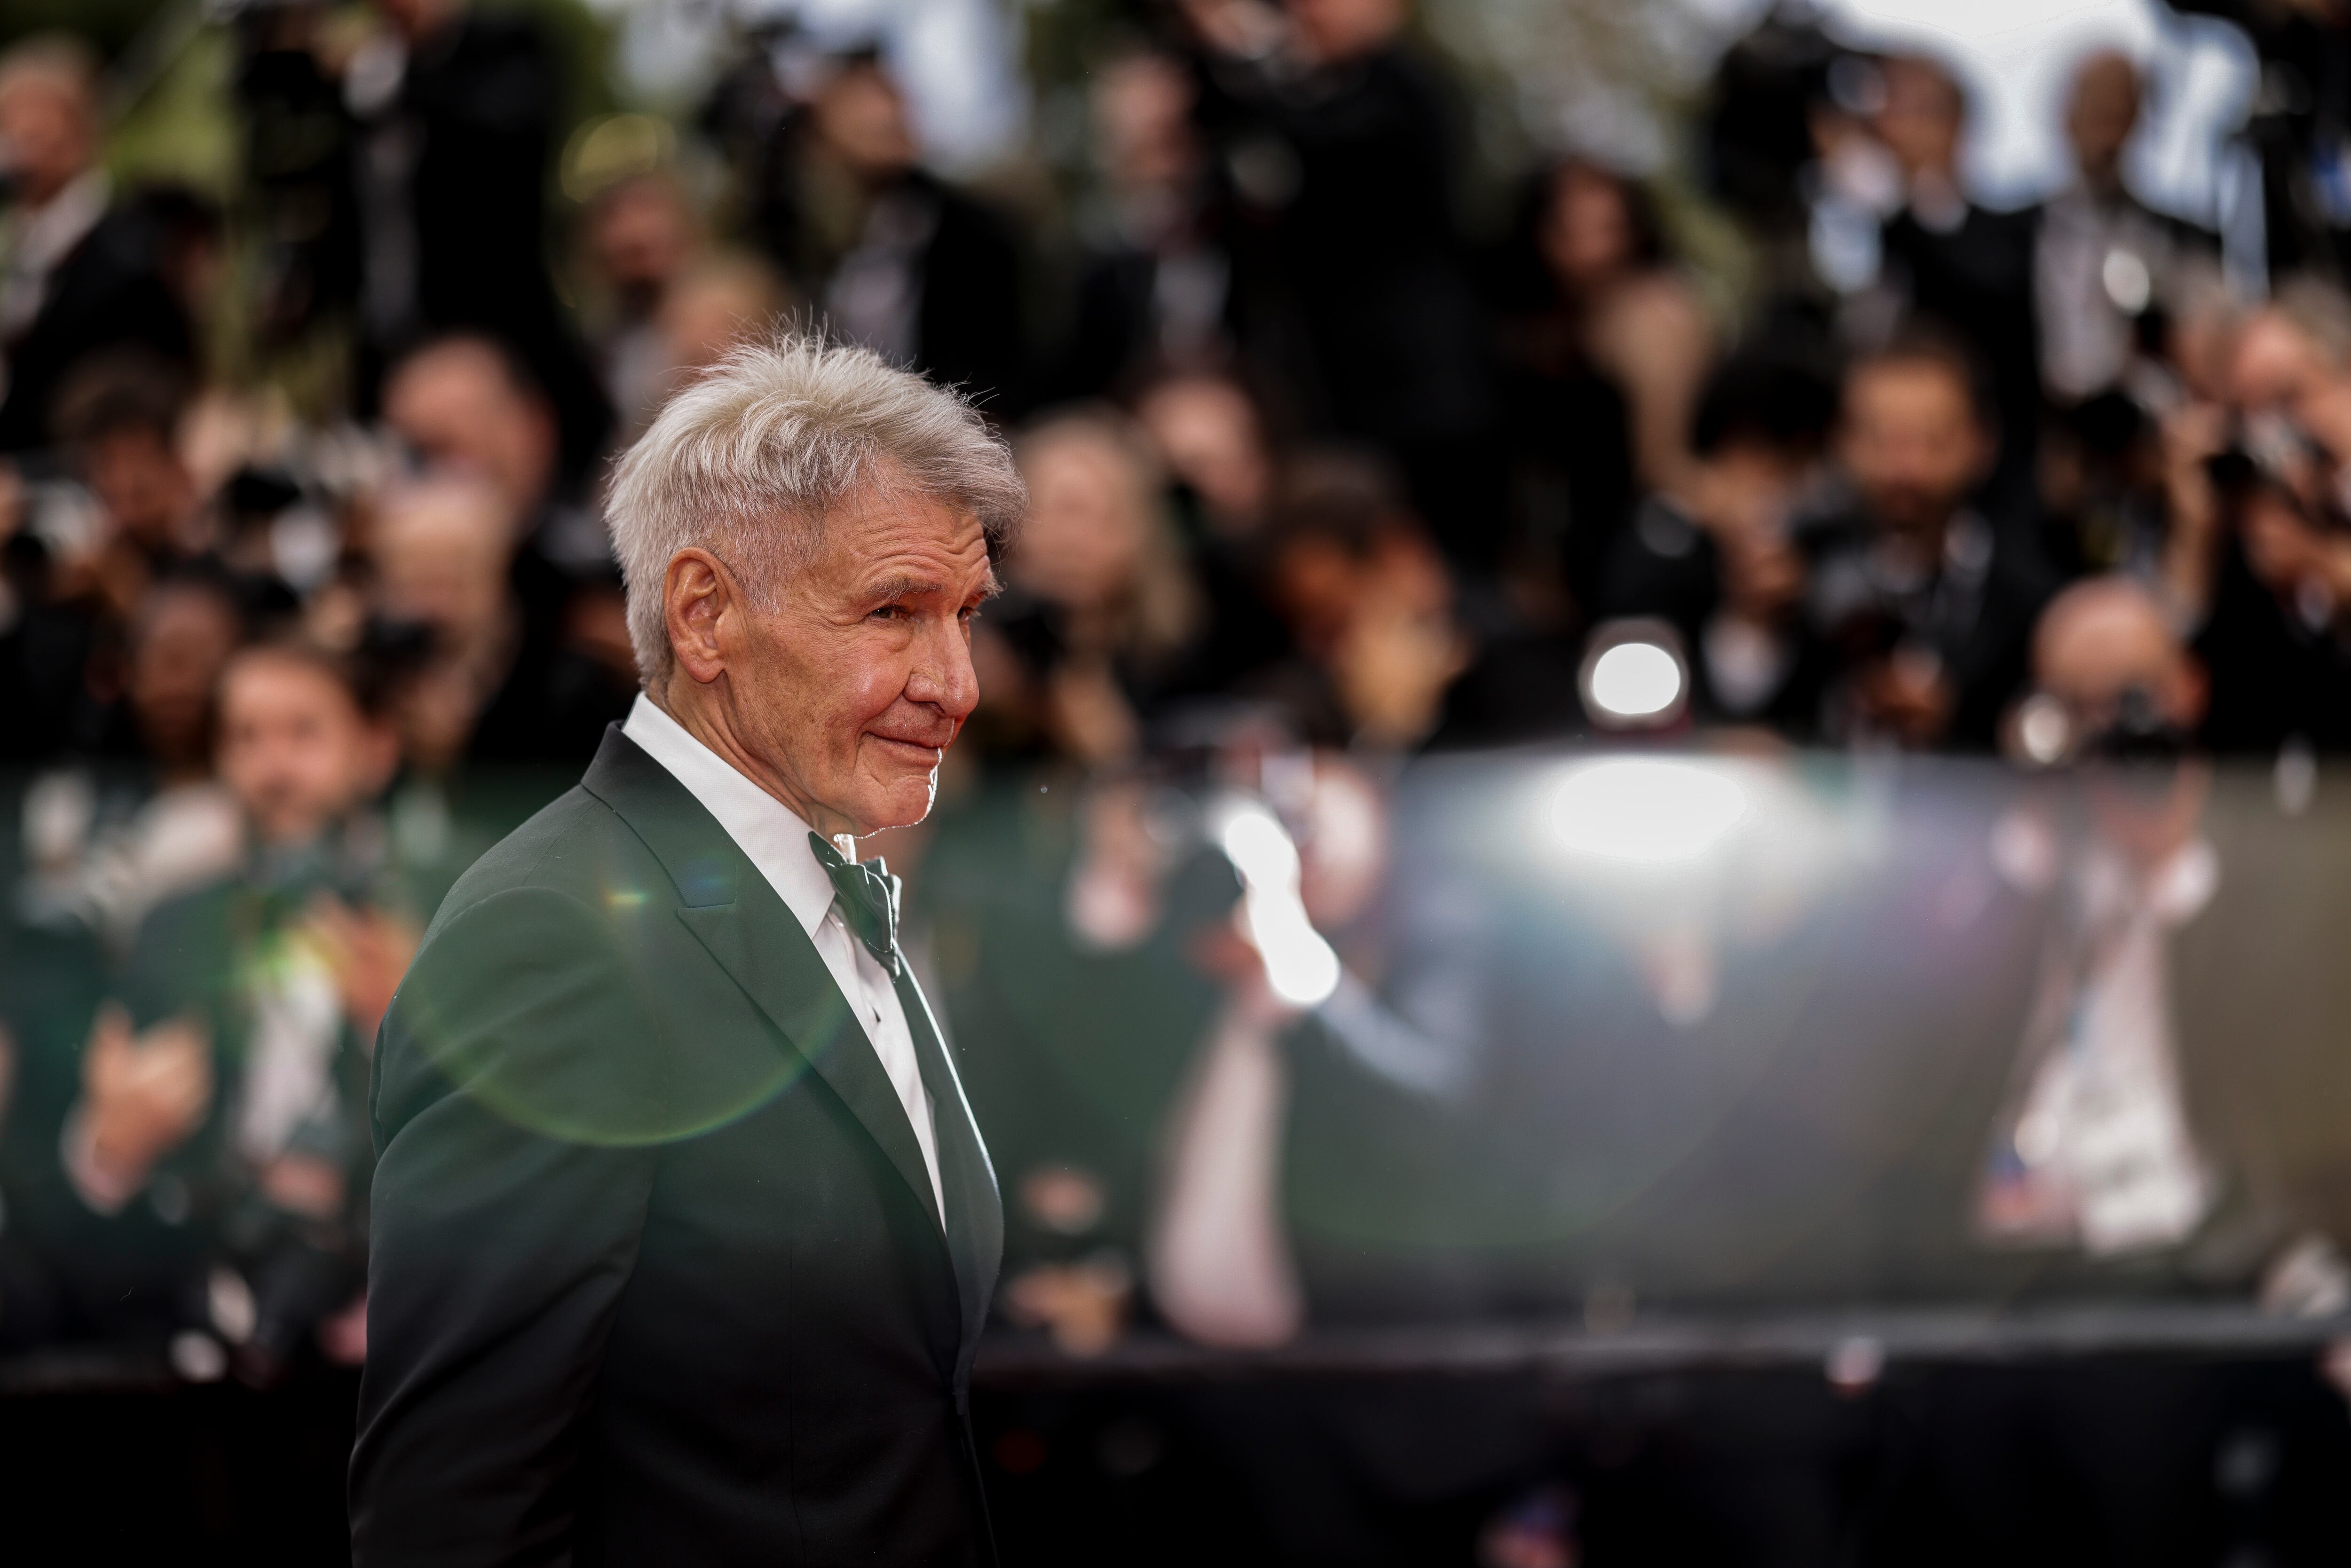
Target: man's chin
(898, 805)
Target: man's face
(184, 637)
(46, 135)
(862, 117)
(642, 235)
(1587, 235)
(140, 482)
(1143, 122)
(1911, 443)
(294, 748)
(1208, 432)
(2090, 653)
(1085, 535)
(441, 561)
(1923, 118)
(458, 409)
(2103, 113)
(850, 690)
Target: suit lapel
(752, 935)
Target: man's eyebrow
(892, 589)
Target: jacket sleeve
(515, 1077)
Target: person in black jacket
(1966, 269)
(81, 275)
(682, 1232)
(456, 119)
(497, 684)
(893, 257)
(1351, 282)
(1919, 606)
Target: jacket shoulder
(575, 845)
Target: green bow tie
(868, 896)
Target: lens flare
(1646, 812)
(1634, 680)
(1299, 964)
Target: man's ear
(700, 599)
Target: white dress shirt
(777, 842)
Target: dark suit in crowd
(108, 293)
(1351, 282)
(657, 1273)
(451, 177)
(1975, 282)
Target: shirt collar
(762, 827)
(46, 236)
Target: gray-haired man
(682, 1232)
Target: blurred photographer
(79, 273)
(1714, 555)
(493, 686)
(214, 1165)
(1922, 606)
(2260, 559)
(2095, 1149)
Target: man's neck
(702, 712)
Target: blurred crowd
(1313, 457)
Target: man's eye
(892, 611)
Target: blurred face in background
(1142, 110)
(48, 131)
(2101, 115)
(1923, 118)
(642, 236)
(1206, 432)
(2098, 644)
(2275, 367)
(441, 554)
(1911, 441)
(295, 750)
(861, 116)
(184, 635)
(1087, 527)
(1587, 236)
(713, 306)
(137, 476)
(458, 407)
(2104, 638)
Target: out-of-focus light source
(1300, 966)
(1633, 677)
(2126, 281)
(1647, 810)
(2044, 731)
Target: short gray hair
(748, 459)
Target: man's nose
(943, 677)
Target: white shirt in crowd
(777, 842)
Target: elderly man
(683, 1231)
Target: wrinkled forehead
(890, 527)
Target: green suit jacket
(656, 1272)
